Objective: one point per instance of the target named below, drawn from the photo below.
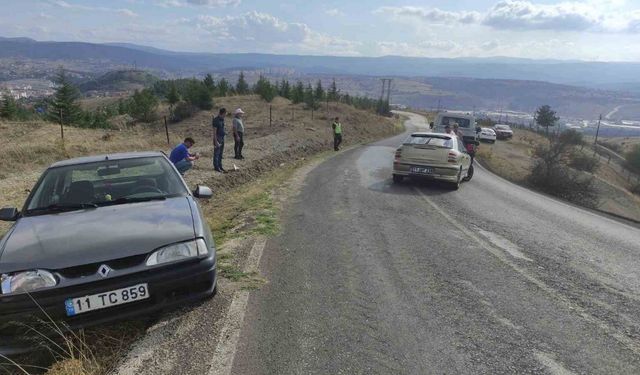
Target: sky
(594, 30)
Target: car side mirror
(9, 214)
(431, 125)
(202, 192)
(478, 129)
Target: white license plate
(75, 306)
(422, 170)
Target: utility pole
(595, 143)
(389, 91)
(438, 108)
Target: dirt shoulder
(513, 160)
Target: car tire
(469, 174)
(397, 178)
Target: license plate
(422, 170)
(81, 305)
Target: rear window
(462, 122)
(428, 140)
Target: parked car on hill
(102, 238)
(503, 131)
(487, 135)
(436, 156)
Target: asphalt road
(368, 277)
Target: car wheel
(397, 178)
(469, 174)
(456, 185)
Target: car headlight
(178, 252)
(27, 281)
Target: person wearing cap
(238, 133)
(456, 131)
(337, 133)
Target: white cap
(237, 111)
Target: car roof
(96, 158)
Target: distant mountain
(591, 74)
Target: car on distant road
(487, 135)
(103, 238)
(503, 131)
(436, 156)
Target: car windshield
(102, 183)
(462, 122)
(442, 141)
(502, 127)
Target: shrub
(182, 111)
(142, 105)
(633, 157)
(562, 182)
(584, 162)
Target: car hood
(95, 235)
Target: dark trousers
(237, 147)
(337, 139)
(217, 156)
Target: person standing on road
(337, 133)
(180, 156)
(456, 131)
(238, 133)
(218, 140)
(447, 129)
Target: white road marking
(504, 244)
(222, 361)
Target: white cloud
(207, 3)
(66, 5)
(261, 31)
(599, 16)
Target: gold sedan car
(437, 156)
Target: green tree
(223, 87)
(265, 89)
(198, 95)
(310, 98)
(319, 93)
(242, 87)
(142, 105)
(209, 83)
(9, 107)
(63, 106)
(546, 117)
(333, 94)
(285, 89)
(297, 94)
(173, 97)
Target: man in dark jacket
(218, 140)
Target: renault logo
(104, 270)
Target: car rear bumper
(447, 173)
(175, 284)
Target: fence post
(293, 109)
(166, 130)
(312, 113)
(270, 114)
(61, 127)
(609, 160)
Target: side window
(460, 145)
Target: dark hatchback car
(99, 239)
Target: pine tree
(546, 117)
(265, 89)
(142, 105)
(310, 98)
(333, 93)
(223, 87)
(318, 93)
(285, 89)
(297, 94)
(63, 107)
(242, 87)
(172, 97)
(9, 108)
(209, 83)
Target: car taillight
(398, 155)
(452, 157)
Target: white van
(466, 123)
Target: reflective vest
(337, 128)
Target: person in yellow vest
(337, 133)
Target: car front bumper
(448, 173)
(169, 286)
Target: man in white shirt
(238, 133)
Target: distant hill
(591, 74)
(119, 81)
